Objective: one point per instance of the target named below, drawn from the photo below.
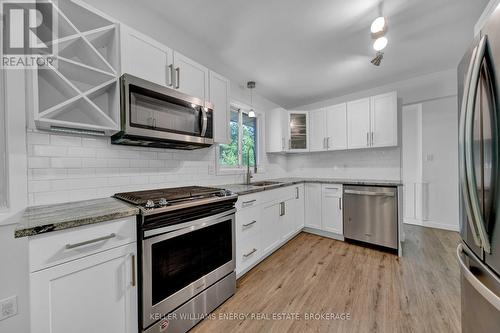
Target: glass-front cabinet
(298, 135)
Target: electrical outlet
(8, 307)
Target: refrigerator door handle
(462, 164)
(488, 295)
(469, 134)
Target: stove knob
(163, 202)
(150, 204)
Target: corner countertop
(41, 219)
(242, 189)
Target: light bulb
(251, 113)
(380, 44)
(378, 25)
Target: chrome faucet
(249, 175)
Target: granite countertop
(242, 189)
(41, 219)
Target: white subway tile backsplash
(81, 152)
(45, 150)
(38, 138)
(62, 162)
(63, 140)
(38, 162)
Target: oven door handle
(182, 228)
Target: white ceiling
(301, 52)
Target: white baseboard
(323, 233)
(432, 224)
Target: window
(244, 133)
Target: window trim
(241, 169)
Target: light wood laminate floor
(419, 292)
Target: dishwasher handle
(371, 193)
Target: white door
(336, 124)
(312, 205)
(220, 98)
(145, 58)
(97, 294)
(331, 214)
(384, 120)
(358, 123)
(276, 130)
(271, 231)
(317, 130)
(190, 77)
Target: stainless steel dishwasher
(371, 215)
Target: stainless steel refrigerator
(479, 251)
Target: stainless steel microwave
(156, 116)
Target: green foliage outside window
(228, 154)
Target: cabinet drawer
(62, 246)
(280, 194)
(248, 252)
(332, 189)
(247, 201)
(248, 222)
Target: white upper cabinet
(276, 130)
(358, 123)
(317, 130)
(190, 77)
(336, 127)
(384, 120)
(220, 94)
(298, 131)
(146, 58)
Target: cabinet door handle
(133, 270)
(372, 138)
(95, 240)
(283, 143)
(367, 139)
(296, 193)
(340, 203)
(246, 255)
(249, 224)
(289, 144)
(170, 73)
(178, 78)
(328, 143)
(248, 202)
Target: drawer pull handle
(133, 270)
(95, 240)
(248, 202)
(249, 224)
(246, 255)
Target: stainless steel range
(187, 246)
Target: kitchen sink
(265, 183)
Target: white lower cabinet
(95, 292)
(331, 210)
(313, 205)
(271, 222)
(323, 208)
(265, 221)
